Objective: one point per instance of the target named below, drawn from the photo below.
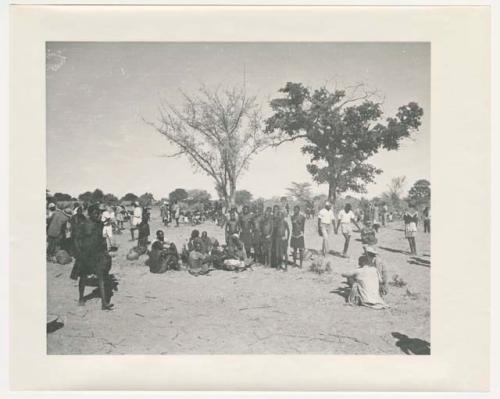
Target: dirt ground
(256, 311)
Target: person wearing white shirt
(326, 220)
(107, 219)
(345, 219)
(136, 219)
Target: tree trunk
(232, 192)
(332, 193)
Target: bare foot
(108, 306)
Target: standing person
(176, 212)
(246, 229)
(375, 217)
(345, 219)
(410, 219)
(120, 217)
(56, 231)
(232, 226)
(285, 208)
(136, 219)
(256, 226)
(165, 213)
(92, 257)
(427, 219)
(281, 237)
(297, 240)
(267, 230)
(107, 229)
(326, 220)
(144, 232)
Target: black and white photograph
(238, 198)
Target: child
(297, 240)
(410, 218)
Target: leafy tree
(110, 199)
(243, 197)
(85, 197)
(218, 132)
(420, 193)
(130, 197)
(341, 129)
(147, 199)
(179, 195)
(62, 197)
(301, 192)
(97, 195)
(199, 198)
(394, 193)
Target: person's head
(79, 210)
(370, 252)
(76, 205)
(246, 209)
(328, 206)
(368, 223)
(94, 212)
(283, 200)
(296, 210)
(235, 240)
(216, 244)
(347, 207)
(276, 209)
(159, 235)
(412, 205)
(52, 206)
(198, 246)
(363, 261)
(268, 211)
(204, 234)
(195, 234)
(232, 215)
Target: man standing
(136, 219)
(297, 240)
(346, 218)
(246, 229)
(92, 257)
(326, 220)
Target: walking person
(410, 219)
(326, 221)
(345, 219)
(297, 240)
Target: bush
(320, 266)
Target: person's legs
(414, 245)
(411, 245)
(324, 232)
(294, 256)
(347, 238)
(301, 257)
(81, 290)
(105, 305)
(132, 232)
(285, 254)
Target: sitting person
(236, 256)
(368, 234)
(189, 246)
(206, 242)
(163, 256)
(199, 262)
(365, 285)
(217, 255)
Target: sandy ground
(255, 311)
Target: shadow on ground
(412, 346)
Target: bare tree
(218, 131)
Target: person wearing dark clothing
(92, 257)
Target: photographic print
(238, 198)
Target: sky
(98, 94)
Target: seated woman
(365, 285)
(206, 242)
(236, 256)
(189, 246)
(217, 255)
(162, 256)
(199, 262)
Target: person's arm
(319, 226)
(350, 274)
(287, 231)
